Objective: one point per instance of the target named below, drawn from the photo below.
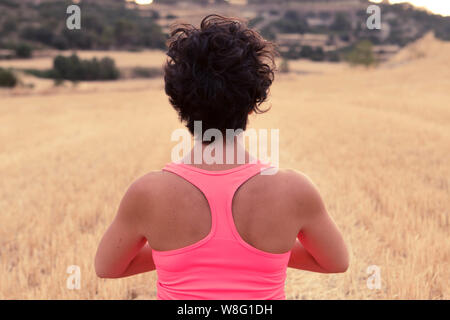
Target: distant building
(307, 39)
(319, 22)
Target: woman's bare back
(265, 212)
(272, 213)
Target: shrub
(307, 52)
(268, 33)
(171, 16)
(142, 72)
(361, 54)
(7, 78)
(46, 74)
(292, 22)
(60, 42)
(40, 34)
(284, 66)
(341, 23)
(10, 25)
(318, 54)
(23, 50)
(333, 56)
(290, 53)
(73, 68)
(254, 21)
(10, 3)
(274, 12)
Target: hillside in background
(106, 24)
(427, 49)
(316, 30)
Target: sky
(437, 6)
(143, 1)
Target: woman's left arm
(123, 250)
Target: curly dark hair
(218, 74)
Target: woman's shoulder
(292, 184)
(148, 191)
(286, 182)
(150, 181)
(290, 177)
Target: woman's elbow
(343, 262)
(102, 274)
(341, 266)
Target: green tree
(318, 54)
(292, 22)
(362, 54)
(10, 25)
(341, 23)
(7, 79)
(23, 50)
(307, 52)
(75, 69)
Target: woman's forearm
(143, 262)
(303, 260)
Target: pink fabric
(221, 266)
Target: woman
(220, 230)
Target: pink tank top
(221, 266)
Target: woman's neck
(218, 155)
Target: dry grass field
(376, 142)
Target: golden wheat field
(376, 142)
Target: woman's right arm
(303, 260)
(319, 246)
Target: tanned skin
(275, 213)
